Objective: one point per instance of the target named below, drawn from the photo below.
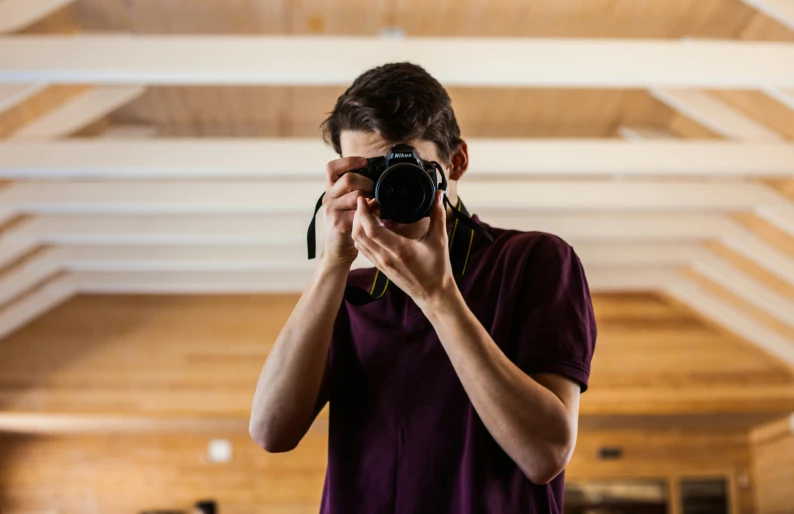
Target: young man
(448, 394)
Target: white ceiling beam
(507, 197)
(731, 318)
(17, 14)
(716, 115)
(78, 113)
(291, 60)
(784, 97)
(634, 279)
(780, 10)
(186, 230)
(761, 253)
(33, 305)
(289, 259)
(65, 424)
(10, 252)
(306, 158)
(782, 216)
(13, 94)
(745, 287)
(644, 134)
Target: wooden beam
(17, 14)
(774, 430)
(761, 253)
(780, 10)
(244, 230)
(83, 423)
(782, 216)
(261, 282)
(686, 292)
(306, 158)
(256, 197)
(291, 60)
(746, 288)
(715, 115)
(786, 97)
(13, 94)
(33, 305)
(78, 113)
(644, 134)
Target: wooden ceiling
(487, 18)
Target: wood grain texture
(773, 468)
(298, 111)
(597, 18)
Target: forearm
(288, 387)
(529, 421)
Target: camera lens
(405, 193)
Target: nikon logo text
(402, 155)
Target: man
(448, 394)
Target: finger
(335, 169)
(346, 202)
(438, 218)
(351, 182)
(372, 229)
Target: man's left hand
(421, 268)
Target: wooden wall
(119, 474)
(773, 467)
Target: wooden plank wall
(773, 467)
(117, 474)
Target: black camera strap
(460, 244)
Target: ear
(459, 162)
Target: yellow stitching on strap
(374, 281)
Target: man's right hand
(339, 206)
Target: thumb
(438, 217)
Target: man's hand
(343, 189)
(420, 268)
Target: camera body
(405, 185)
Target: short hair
(207, 506)
(400, 102)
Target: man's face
(370, 144)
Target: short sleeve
(555, 328)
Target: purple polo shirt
(403, 435)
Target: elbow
(269, 439)
(553, 461)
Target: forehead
(369, 144)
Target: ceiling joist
(285, 197)
(17, 14)
(780, 10)
(13, 94)
(306, 158)
(716, 115)
(78, 113)
(292, 60)
(722, 313)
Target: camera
(405, 185)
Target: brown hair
(400, 102)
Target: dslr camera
(405, 185)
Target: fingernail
(363, 161)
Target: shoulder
(526, 247)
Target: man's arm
(288, 394)
(534, 419)
(286, 398)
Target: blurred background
(160, 160)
